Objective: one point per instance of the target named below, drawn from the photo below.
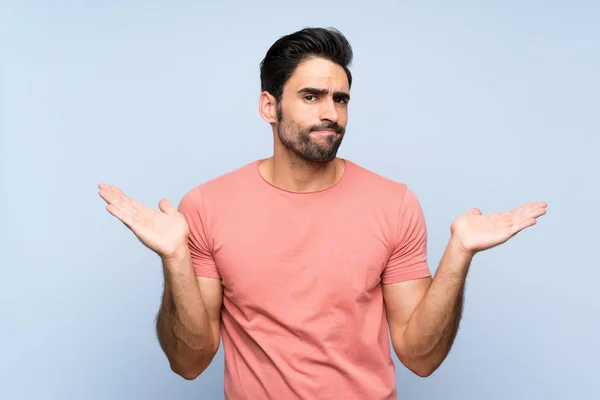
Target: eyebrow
(316, 91)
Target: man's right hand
(164, 231)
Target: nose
(329, 111)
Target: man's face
(313, 111)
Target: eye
(340, 100)
(310, 97)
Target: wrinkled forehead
(319, 73)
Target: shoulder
(374, 183)
(394, 197)
(223, 186)
(391, 200)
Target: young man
(302, 260)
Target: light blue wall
(473, 104)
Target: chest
(300, 260)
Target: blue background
(472, 104)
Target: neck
(297, 175)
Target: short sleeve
(408, 259)
(192, 208)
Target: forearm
(431, 330)
(182, 324)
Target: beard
(298, 140)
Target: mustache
(327, 126)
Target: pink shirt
(303, 314)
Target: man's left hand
(475, 232)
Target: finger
(165, 206)
(521, 225)
(529, 210)
(529, 205)
(107, 195)
(119, 193)
(105, 188)
(533, 205)
(474, 211)
(114, 195)
(136, 206)
(121, 216)
(534, 213)
(124, 209)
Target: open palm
(164, 231)
(476, 232)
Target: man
(302, 260)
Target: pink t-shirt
(303, 315)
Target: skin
(423, 314)
(291, 167)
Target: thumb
(474, 211)
(165, 206)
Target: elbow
(424, 371)
(191, 370)
(188, 375)
(423, 366)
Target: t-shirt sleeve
(408, 259)
(192, 208)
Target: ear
(267, 106)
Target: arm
(188, 320)
(187, 323)
(424, 315)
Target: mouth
(324, 132)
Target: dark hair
(289, 51)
